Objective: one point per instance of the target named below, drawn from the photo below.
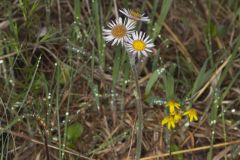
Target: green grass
(66, 94)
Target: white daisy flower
(119, 31)
(134, 15)
(138, 44)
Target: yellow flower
(139, 44)
(177, 117)
(169, 120)
(192, 114)
(172, 105)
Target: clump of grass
(65, 94)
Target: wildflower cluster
(175, 114)
(123, 31)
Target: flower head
(119, 31)
(169, 120)
(192, 114)
(134, 14)
(177, 117)
(172, 105)
(138, 44)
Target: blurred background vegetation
(65, 94)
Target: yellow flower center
(192, 114)
(119, 31)
(139, 45)
(177, 117)
(171, 103)
(135, 14)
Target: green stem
(170, 148)
(139, 108)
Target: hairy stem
(139, 108)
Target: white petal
(150, 45)
(140, 35)
(114, 42)
(144, 53)
(148, 50)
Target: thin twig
(21, 135)
(8, 55)
(192, 150)
(215, 74)
(115, 8)
(59, 15)
(46, 144)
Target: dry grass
(56, 71)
